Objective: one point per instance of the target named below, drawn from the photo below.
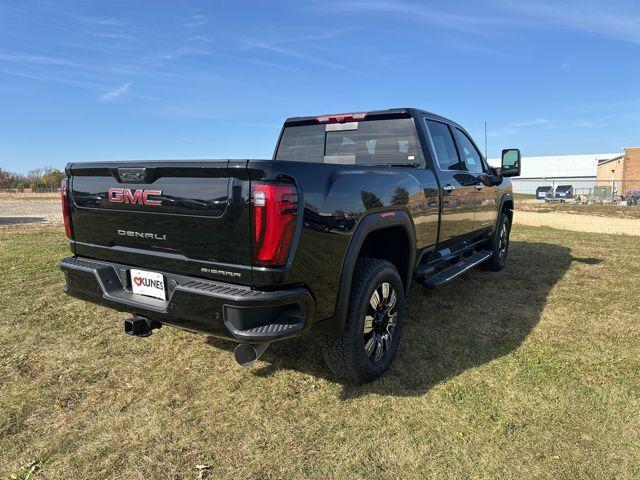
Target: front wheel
(500, 251)
(373, 326)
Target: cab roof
(368, 115)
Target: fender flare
(370, 223)
(507, 196)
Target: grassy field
(533, 372)
(524, 196)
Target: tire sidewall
(372, 368)
(501, 263)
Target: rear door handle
(448, 188)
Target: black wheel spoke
(368, 324)
(370, 345)
(503, 242)
(379, 321)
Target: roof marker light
(341, 117)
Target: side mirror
(510, 162)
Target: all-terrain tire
(347, 354)
(500, 245)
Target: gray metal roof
(560, 165)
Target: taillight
(274, 208)
(64, 197)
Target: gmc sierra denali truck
(324, 238)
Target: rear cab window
(368, 142)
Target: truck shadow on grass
(20, 220)
(477, 318)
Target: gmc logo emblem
(127, 195)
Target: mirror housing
(510, 162)
(495, 180)
(490, 179)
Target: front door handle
(448, 188)
(478, 186)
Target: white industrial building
(580, 171)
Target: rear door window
(369, 142)
(443, 143)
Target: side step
(445, 276)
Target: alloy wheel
(380, 321)
(503, 242)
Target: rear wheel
(500, 252)
(371, 335)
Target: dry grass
(609, 211)
(532, 372)
(29, 196)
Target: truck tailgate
(184, 217)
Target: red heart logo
(137, 281)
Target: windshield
(371, 142)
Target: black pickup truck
(323, 239)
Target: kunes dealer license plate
(148, 283)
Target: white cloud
(116, 93)
(471, 21)
(517, 127)
(282, 47)
(53, 79)
(102, 21)
(619, 20)
(114, 36)
(16, 57)
(196, 20)
(615, 20)
(561, 124)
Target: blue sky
(194, 79)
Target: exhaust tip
(246, 354)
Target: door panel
(458, 206)
(458, 192)
(486, 208)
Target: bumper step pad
(213, 308)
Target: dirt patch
(613, 211)
(29, 212)
(579, 223)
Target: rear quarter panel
(334, 199)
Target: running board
(448, 274)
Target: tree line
(45, 177)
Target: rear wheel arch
(390, 238)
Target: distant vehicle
(563, 192)
(324, 239)
(542, 193)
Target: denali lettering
(127, 195)
(152, 236)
